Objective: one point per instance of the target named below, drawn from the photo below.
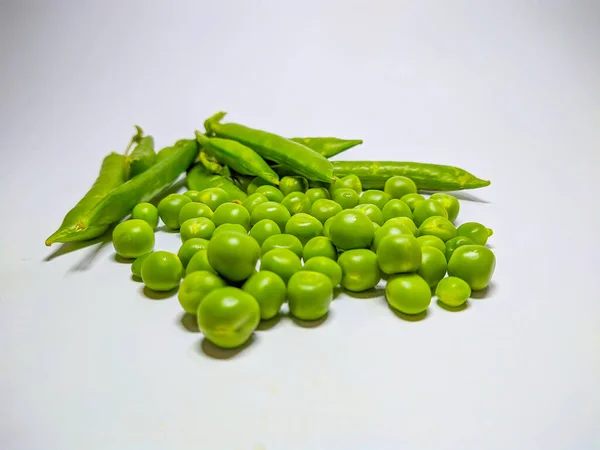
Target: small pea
(162, 271)
(372, 211)
(408, 293)
(477, 232)
(345, 197)
(288, 185)
(317, 193)
(399, 186)
(233, 255)
(304, 227)
(438, 226)
(282, 241)
(193, 195)
(473, 263)
(349, 181)
(374, 197)
(269, 290)
(326, 266)
(433, 265)
(214, 197)
(169, 208)
(200, 227)
(297, 202)
(450, 204)
(404, 221)
(389, 230)
(195, 287)
(231, 213)
(396, 208)
(136, 267)
(254, 200)
(412, 200)
(428, 208)
(399, 254)
(309, 295)
(194, 210)
(432, 241)
(360, 271)
(199, 262)
(271, 192)
(146, 212)
(351, 229)
(264, 229)
(326, 226)
(255, 184)
(230, 227)
(452, 244)
(324, 209)
(189, 248)
(270, 210)
(282, 261)
(453, 291)
(133, 238)
(319, 246)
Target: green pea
(133, 238)
(396, 208)
(169, 208)
(476, 231)
(233, 255)
(254, 200)
(408, 293)
(282, 241)
(360, 270)
(214, 197)
(195, 287)
(449, 203)
(351, 229)
(326, 226)
(264, 229)
(232, 213)
(297, 202)
(304, 227)
(349, 182)
(257, 183)
(162, 271)
(376, 226)
(269, 290)
(438, 226)
(146, 212)
(282, 261)
(271, 192)
(453, 291)
(432, 241)
(399, 254)
(136, 267)
(315, 194)
(324, 209)
(319, 246)
(326, 266)
(194, 210)
(233, 227)
(374, 197)
(372, 211)
(189, 248)
(473, 263)
(199, 262)
(412, 200)
(428, 208)
(399, 186)
(309, 295)
(404, 221)
(389, 230)
(193, 195)
(433, 265)
(270, 210)
(346, 198)
(200, 227)
(454, 243)
(288, 185)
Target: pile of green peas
(239, 262)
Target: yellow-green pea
(199, 262)
(282, 261)
(404, 221)
(388, 230)
(234, 227)
(450, 204)
(428, 208)
(372, 212)
(162, 271)
(408, 293)
(399, 186)
(374, 197)
(193, 210)
(269, 290)
(345, 197)
(326, 266)
(189, 248)
(214, 197)
(254, 200)
(195, 287)
(199, 227)
(360, 271)
(319, 246)
(324, 209)
(477, 232)
(309, 295)
(432, 241)
(293, 184)
(133, 238)
(231, 213)
(412, 200)
(193, 195)
(136, 267)
(438, 226)
(169, 208)
(271, 192)
(147, 212)
(349, 181)
(317, 193)
(433, 265)
(297, 202)
(304, 227)
(453, 291)
(282, 241)
(399, 254)
(264, 229)
(396, 208)
(452, 244)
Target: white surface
(509, 92)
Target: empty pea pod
(328, 146)
(200, 178)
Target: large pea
(403, 221)
(450, 204)
(146, 212)
(293, 184)
(473, 263)
(199, 261)
(399, 186)
(388, 230)
(271, 192)
(162, 271)
(270, 210)
(346, 198)
(433, 265)
(309, 295)
(297, 202)
(269, 290)
(374, 197)
(200, 227)
(254, 200)
(288, 241)
(231, 213)
(233, 255)
(319, 246)
(195, 286)
(133, 238)
(214, 197)
(264, 229)
(412, 200)
(317, 193)
(395, 208)
(189, 248)
(235, 227)
(194, 210)
(454, 243)
(432, 241)
(372, 212)
(281, 261)
(169, 208)
(408, 293)
(360, 271)
(326, 266)
(477, 232)
(349, 182)
(351, 229)
(438, 226)
(399, 254)
(324, 209)
(428, 208)
(304, 227)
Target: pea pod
(120, 200)
(328, 146)
(200, 178)
(434, 177)
(238, 157)
(143, 155)
(300, 158)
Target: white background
(508, 90)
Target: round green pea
(257, 183)
(349, 182)
(199, 261)
(288, 241)
(169, 208)
(304, 227)
(195, 287)
(428, 208)
(214, 197)
(146, 212)
(360, 270)
(194, 210)
(271, 192)
(233, 255)
(162, 271)
(454, 243)
(326, 226)
(374, 197)
(351, 229)
(254, 200)
(395, 208)
(399, 186)
(232, 213)
(433, 265)
(326, 266)
(315, 194)
(473, 263)
(412, 200)
(264, 229)
(235, 227)
(136, 267)
(200, 227)
(438, 226)
(477, 232)
(432, 241)
(282, 261)
(270, 210)
(269, 290)
(193, 195)
(319, 246)
(372, 211)
(189, 248)
(376, 226)
(345, 197)
(453, 291)
(133, 238)
(309, 295)
(399, 254)
(324, 209)
(449, 203)
(288, 185)
(297, 202)
(388, 230)
(404, 221)
(408, 293)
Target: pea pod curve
(143, 155)
(328, 146)
(200, 178)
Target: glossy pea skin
(426, 209)
(326, 266)
(231, 213)
(233, 255)
(412, 200)
(351, 229)
(404, 221)
(270, 210)
(395, 208)
(432, 241)
(346, 198)
(304, 227)
(388, 230)
(326, 227)
(281, 261)
(477, 232)
(133, 238)
(255, 184)
(169, 208)
(297, 202)
(374, 197)
(136, 267)
(228, 316)
(453, 291)
(269, 290)
(288, 241)
(452, 244)
(162, 271)
(309, 295)
(449, 203)
(193, 195)
(438, 226)
(399, 186)
(317, 193)
(189, 248)
(349, 182)
(288, 185)
(372, 211)
(271, 192)
(360, 270)
(324, 209)
(399, 254)
(199, 261)
(234, 227)
(474, 264)
(146, 212)
(254, 200)
(214, 197)
(199, 227)
(433, 265)
(319, 246)
(408, 293)
(194, 210)
(264, 229)
(195, 287)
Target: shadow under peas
(215, 352)
(157, 295)
(267, 324)
(86, 262)
(371, 293)
(337, 291)
(409, 317)
(484, 293)
(118, 258)
(462, 307)
(189, 322)
(309, 323)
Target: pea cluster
(305, 238)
